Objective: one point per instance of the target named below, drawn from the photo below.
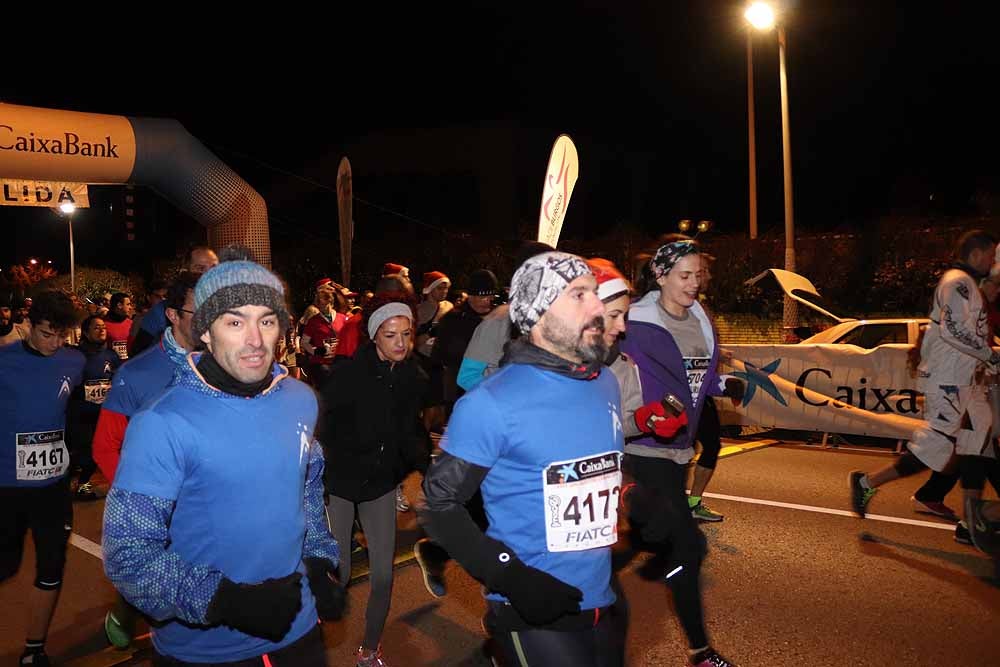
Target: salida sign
(43, 193)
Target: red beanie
(432, 279)
(611, 284)
(323, 283)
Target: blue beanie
(232, 285)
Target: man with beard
(233, 432)
(543, 440)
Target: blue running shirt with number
(517, 423)
(34, 392)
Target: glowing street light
(760, 15)
(32, 261)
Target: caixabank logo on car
(857, 394)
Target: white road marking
(92, 548)
(827, 510)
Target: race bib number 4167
(41, 455)
(581, 502)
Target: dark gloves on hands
(665, 427)
(537, 596)
(331, 597)
(734, 388)
(265, 609)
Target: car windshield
(870, 336)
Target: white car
(866, 334)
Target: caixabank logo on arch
(54, 145)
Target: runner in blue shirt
(543, 440)
(37, 377)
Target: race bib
(331, 346)
(94, 391)
(40, 456)
(696, 368)
(121, 348)
(581, 502)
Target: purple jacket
(661, 366)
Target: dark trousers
(708, 435)
(308, 651)
(659, 513)
(599, 642)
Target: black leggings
(708, 435)
(658, 509)
(600, 645)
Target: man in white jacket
(954, 357)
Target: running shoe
(402, 504)
(709, 658)
(860, 496)
(370, 658)
(985, 533)
(962, 535)
(702, 512)
(115, 632)
(933, 507)
(431, 567)
(85, 492)
(38, 659)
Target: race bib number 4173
(581, 502)
(41, 455)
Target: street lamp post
(68, 209)
(753, 140)
(761, 16)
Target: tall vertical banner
(560, 178)
(345, 211)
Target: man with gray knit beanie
(227, 584)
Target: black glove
(537, 596)
(320, 350)
(331, 597)
(734, 389)
(265, 609)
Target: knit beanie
(432, 279)
(611, 284)
(232, 285)
(539, 282)
(482, 282)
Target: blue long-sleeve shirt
(212, 485)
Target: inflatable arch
(54, 145)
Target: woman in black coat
(373, 437)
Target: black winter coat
(370, 429)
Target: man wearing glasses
(139, 381)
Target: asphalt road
(782, 585)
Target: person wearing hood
(542, 438)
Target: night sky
(891, 109)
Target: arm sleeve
(108, 438)
(449, 484)
(136, 560)
(631, 389)
(959, 324)
(470, 373)
(319, 543)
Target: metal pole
(72, 260)
(791, 312)
(753, 138)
